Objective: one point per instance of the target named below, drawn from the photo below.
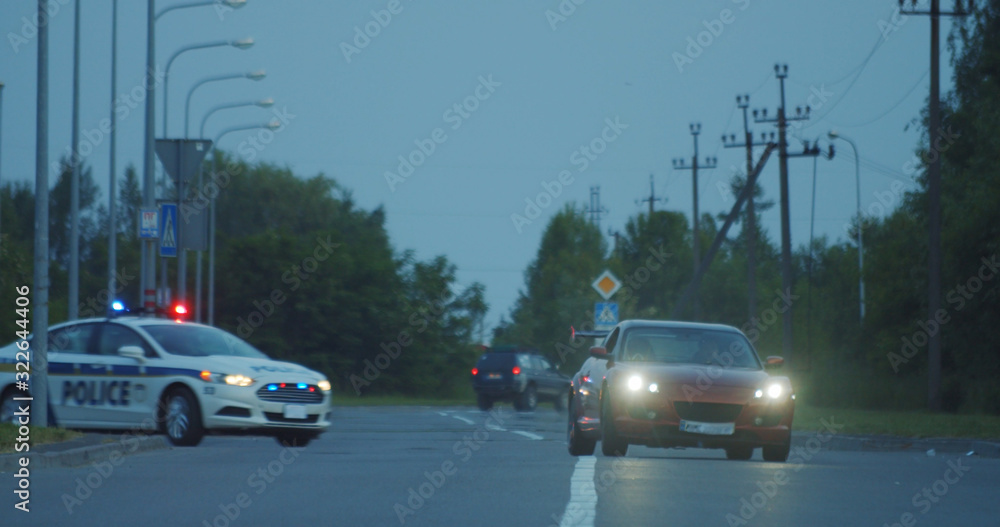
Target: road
(463, 467)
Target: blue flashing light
(117, 305)
(272, 387)
(302, 386)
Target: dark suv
(519, 375)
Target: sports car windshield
(689, 346)
(200, 341)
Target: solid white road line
(529, 435)
(582, 506)
(464, 420)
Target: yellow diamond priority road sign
(606, 285)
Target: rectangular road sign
(605, 315)
(148, 224)
(168, 229)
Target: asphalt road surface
(462, 467)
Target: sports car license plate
(494, 376)
(712, 429)
(295, 411)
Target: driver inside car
(638, 350)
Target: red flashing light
(475, 371)
(282, 385)
(312, 388)
(180, 309)
(516, 370)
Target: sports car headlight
(223, 378)
(634, 383)
(324, 385)
(773, 391)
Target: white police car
(181, 378)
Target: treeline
(302, 273)
(881, 363)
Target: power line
(891, 108)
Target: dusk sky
(536, 86)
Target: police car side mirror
(133, 352)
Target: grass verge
(38, 435)
(899, 423)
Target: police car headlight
(223, 378)
(324, 385)
(238, 380)
(634, 383)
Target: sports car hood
(695, 375)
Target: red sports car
(679, 384)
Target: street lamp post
(1, 132)
(245, 43)
(74, 185)
(272, 125)
(253, 75)
(263, 103)
(861, 250)
(182, 252)
(147, 278)
(113, 188)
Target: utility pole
(148, 280)
(595, 210)
(743, 103)
(781, 72)
(681, 164)
(652, 197)
(113, 189)
(40, 344)
(934, 197)
(74, 192)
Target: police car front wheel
(183, 419)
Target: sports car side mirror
(133, 352)
(599, 353)
(773, 363)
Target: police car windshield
(200, 341)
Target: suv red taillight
(475, 371)
(516, 370)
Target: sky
(501, 108)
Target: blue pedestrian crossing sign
(605, 315)
(168, 230)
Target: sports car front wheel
(611, 444)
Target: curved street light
(253, 75)
(833, 134)
(235, 4)
(147, 273)
(272, 125)
(262, 103)
(244, 43)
